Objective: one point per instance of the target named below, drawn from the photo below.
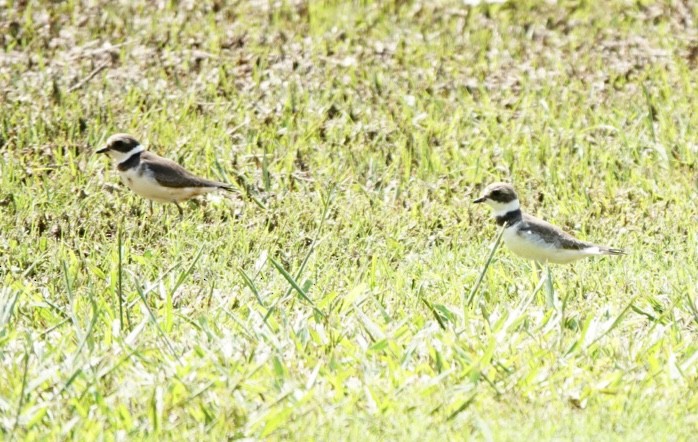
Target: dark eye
(495, 192)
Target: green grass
(329, 301)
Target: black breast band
(510, 218)
(132, 162)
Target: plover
(154, 177)
(534, 238)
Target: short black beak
(480, 200)
(102, 150)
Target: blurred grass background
(326, 302)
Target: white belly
(147, 187)
(530, 246)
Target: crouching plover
(531, 237)
(154, 177)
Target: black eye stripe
(500, 194)
(123, 145)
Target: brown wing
(170, 174)
(552, 234)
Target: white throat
(501, 209)
(121, 157)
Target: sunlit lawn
(332, 299)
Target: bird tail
(226, 187)
(611, 251)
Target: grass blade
(25, 369)
(251, 285)
(294, 284)
(468, 302)
(155, 321)
(120, 272)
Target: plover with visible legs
(154, 177)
